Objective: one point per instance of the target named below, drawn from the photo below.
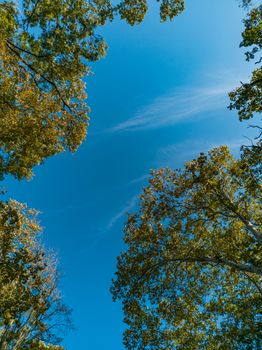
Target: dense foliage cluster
(191, 276)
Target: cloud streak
(138, 179)
(122, 212)
(176, 107)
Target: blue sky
(157, 99)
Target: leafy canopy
(45, 49)
(191, 275)
(31, 311)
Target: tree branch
(254, 282)
(26, 51)
(232, 207)
(219, 261)
(41, 75)
(207, 260)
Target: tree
(31, 311)
(191, 276)
(44, 55)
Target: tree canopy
(191, 276)
(45, 50)
(31, 312)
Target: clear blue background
(157, 99)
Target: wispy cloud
(181, 105)
(138, 179)
(102, 232)
(122, 212)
